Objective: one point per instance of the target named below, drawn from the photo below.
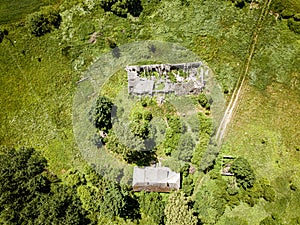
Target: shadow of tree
(141, 158)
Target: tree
(178, 211)
(210, 202)
(209, 157)
(243, 172)
(206, 125)
(139, 124)
(186, 147)
(113, 201)
(42, 22)
(21, 183)
(28, 197)
(269, 220)
(122, 7)
(152, 205)
(61, 206)
(235, 221)
(140, 128)
(294, 25)
(203, 101)
(100, 115)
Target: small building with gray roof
(155, 179)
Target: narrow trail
(228, 115)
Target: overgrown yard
(11, 11)
(38, 78)
(38, 74)
(36, 97)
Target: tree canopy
(243, 172)
(122, 7)
(178, 211)
(42, 22)
(100, 115)
(27, 195)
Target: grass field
(11, 11)
(265, 128)
(38, 81)
(38, 78)
(36, 97)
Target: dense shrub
(139, 124)
(203, 101)
(243, 172)
(186, 147)
(100, 114)
(42, 22)
(294, 25)
(122, 7)
(152, 205)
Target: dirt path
(228, 115)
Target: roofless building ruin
(179, 79)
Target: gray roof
(160, 179)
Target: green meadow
(38, 78)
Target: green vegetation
(177, 210)
(170, 75)
(122, 7)
(53, 184)
(42, 22)
(29, 196)
(100, 116)
(242, 171)
(152, 207)
(12, 11)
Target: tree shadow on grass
(141, 158)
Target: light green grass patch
(13, 10)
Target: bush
(206, 125)
(100, 115)
(243, 172)
(140, 129)
(175, 124)
(203, 101)
(40, 23)
(294, 26)
(186, 146)
(122, 7)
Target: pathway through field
(228, 115)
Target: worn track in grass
(231, 108)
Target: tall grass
(14, 10)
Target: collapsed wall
(192, 84)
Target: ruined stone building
(156, 79)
